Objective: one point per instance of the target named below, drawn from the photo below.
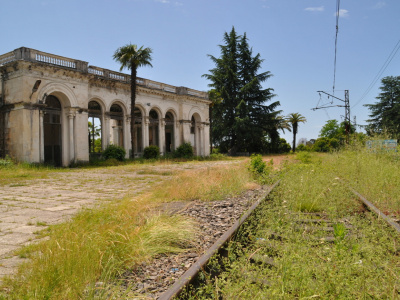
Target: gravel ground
(150, 280)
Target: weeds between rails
(312, 239)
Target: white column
(206, 139)
(143, 133)
(41, 136)
(177, 141)
(75, 131)
(106, 131)
(71, 136)
(103, 132)
(186, 131)
(201, 139)
(161, 136)
(146, 132)
(127, 134)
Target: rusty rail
(191, 273)
(373, 208)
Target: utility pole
(346, 106)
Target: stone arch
(65, 94)
(198, 114)
(155, 117)
(64, 131)
(121, 104)
(100, 101)
(158, 110)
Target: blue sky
(296, 38)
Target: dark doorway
(169, 132)
(52, 131)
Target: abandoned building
(59, 110)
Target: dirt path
(30, 206)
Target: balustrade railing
(6, 58)
(47, 58)
(55, 61)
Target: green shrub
(257, 165)
(302, 147)
(151, 152)
(6, 162)
(184, 151)
(113, 151)
(304, 157)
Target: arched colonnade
(66, 128)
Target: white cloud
(379, 5)
(163, 1)
(320, 8)
(343, 13)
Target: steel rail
(373, 208)
(191, 273)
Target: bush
(302, 147)
(6, 162)
(184, 151)
(113, 151)
(304, 157)
(257, 165)
(151, 152)
(324, 144)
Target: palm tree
(130, 57)
(281, 123)
(295, 119)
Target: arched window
(95, 127)
(116, 128)
(153, 128)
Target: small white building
(47, 102)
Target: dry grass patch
(213, 183)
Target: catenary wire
(378, 75)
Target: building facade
(59, 111)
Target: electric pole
(346, 105)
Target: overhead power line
(379, 74)
(336, 39)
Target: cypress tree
(241, 121)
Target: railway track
(275, 251)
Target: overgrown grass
(14, 173)
(94, 246)
(362, 263)
(373, 174)
(99, 244)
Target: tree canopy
(385, 113)
(332, 129)
(241, 119)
